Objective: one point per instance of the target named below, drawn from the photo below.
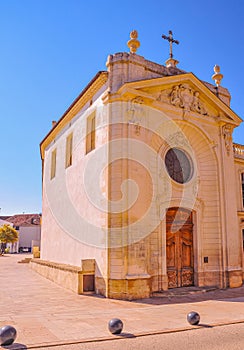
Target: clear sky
(51, 49)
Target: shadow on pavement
(14, 346)
(204, 325)
(127, 335)
(229, 294)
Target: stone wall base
(235, 278)
(227, 279)
(72, 277)
(100, 286)
(208, 279)
(159, 283)
(129, 288)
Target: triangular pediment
(182, 94)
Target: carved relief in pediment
(164, 96)
(185, 97)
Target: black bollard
(7, 335)
(115, 326)
(193, 318)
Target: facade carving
(178, 140)
(227, 130)
(196, 186)
(185, 97)
(136, 113)
(187, 278)
(164, 96)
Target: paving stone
(45, 313)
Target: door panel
(179, 248)
(171, 262)
(186, 255)
(171, 253)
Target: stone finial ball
(134, 34)
(193, 318)
(115, 326)
(216, 69)
(7, 335)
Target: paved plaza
(45, 314)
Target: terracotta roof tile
(24, 219)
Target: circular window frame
(191, 164)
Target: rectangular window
(242, 188)
(69, 149)
(53, 163)
(91, 133)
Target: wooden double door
(179, 248)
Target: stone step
(25, 261)
(184, 291)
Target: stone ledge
(59, 266)
(137, 276)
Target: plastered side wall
(73, 224)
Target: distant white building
(29, 228)
(5, 222)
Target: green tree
(7, 235)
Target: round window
(178, 165)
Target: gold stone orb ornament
(217, 76)
(133, 43)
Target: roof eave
(100, 78)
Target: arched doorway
(179, 247)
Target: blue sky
(50, 50)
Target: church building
(143, 187)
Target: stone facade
(114, 201)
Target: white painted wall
(28, 234)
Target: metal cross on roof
(171, 41)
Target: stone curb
(123, 335)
